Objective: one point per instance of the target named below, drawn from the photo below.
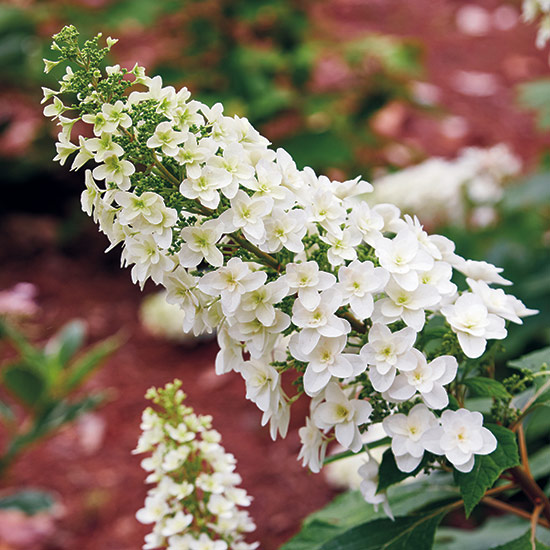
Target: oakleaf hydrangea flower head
(313, 293)
(196, 485)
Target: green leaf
(62, 347)
(312, 536)
(28, 501)
(495, 531)
(87, 364)
(487, 468)
(318, 150)
(24, 383)
(63, 412)
(534, 95)
(533, 362)
(486, 387)
(390, 474)
(522, 543)
(350, 509)
(385, 534)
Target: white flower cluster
(290, 268)
(195, 502)
(459, 191)
(533, 9)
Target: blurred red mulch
(89, 465)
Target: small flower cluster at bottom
(195, 502)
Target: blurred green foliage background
(263, 59)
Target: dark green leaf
(533, 362)
(312, 536)
(521, 543)
(87, 364)
(486, 387)
(487, 468)
(29, 353)
(390, 474)
(63, 412)
(28, 501)
(385, 534)
(66, 342)
(494, 532)
(24, 383)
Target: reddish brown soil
(102, 487)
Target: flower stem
(531, 489)
(505, 507)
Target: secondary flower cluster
(292, 270)
(459, 191)
(195, 502)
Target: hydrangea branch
(294, 272)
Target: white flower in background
(473, 324)
(359, 281)
(308, 280)
(427, 379)
(369, 487)
(386, 352)
(441, 191)
(459, 437)
(407, 433)
(163, 319)
(344, 415)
